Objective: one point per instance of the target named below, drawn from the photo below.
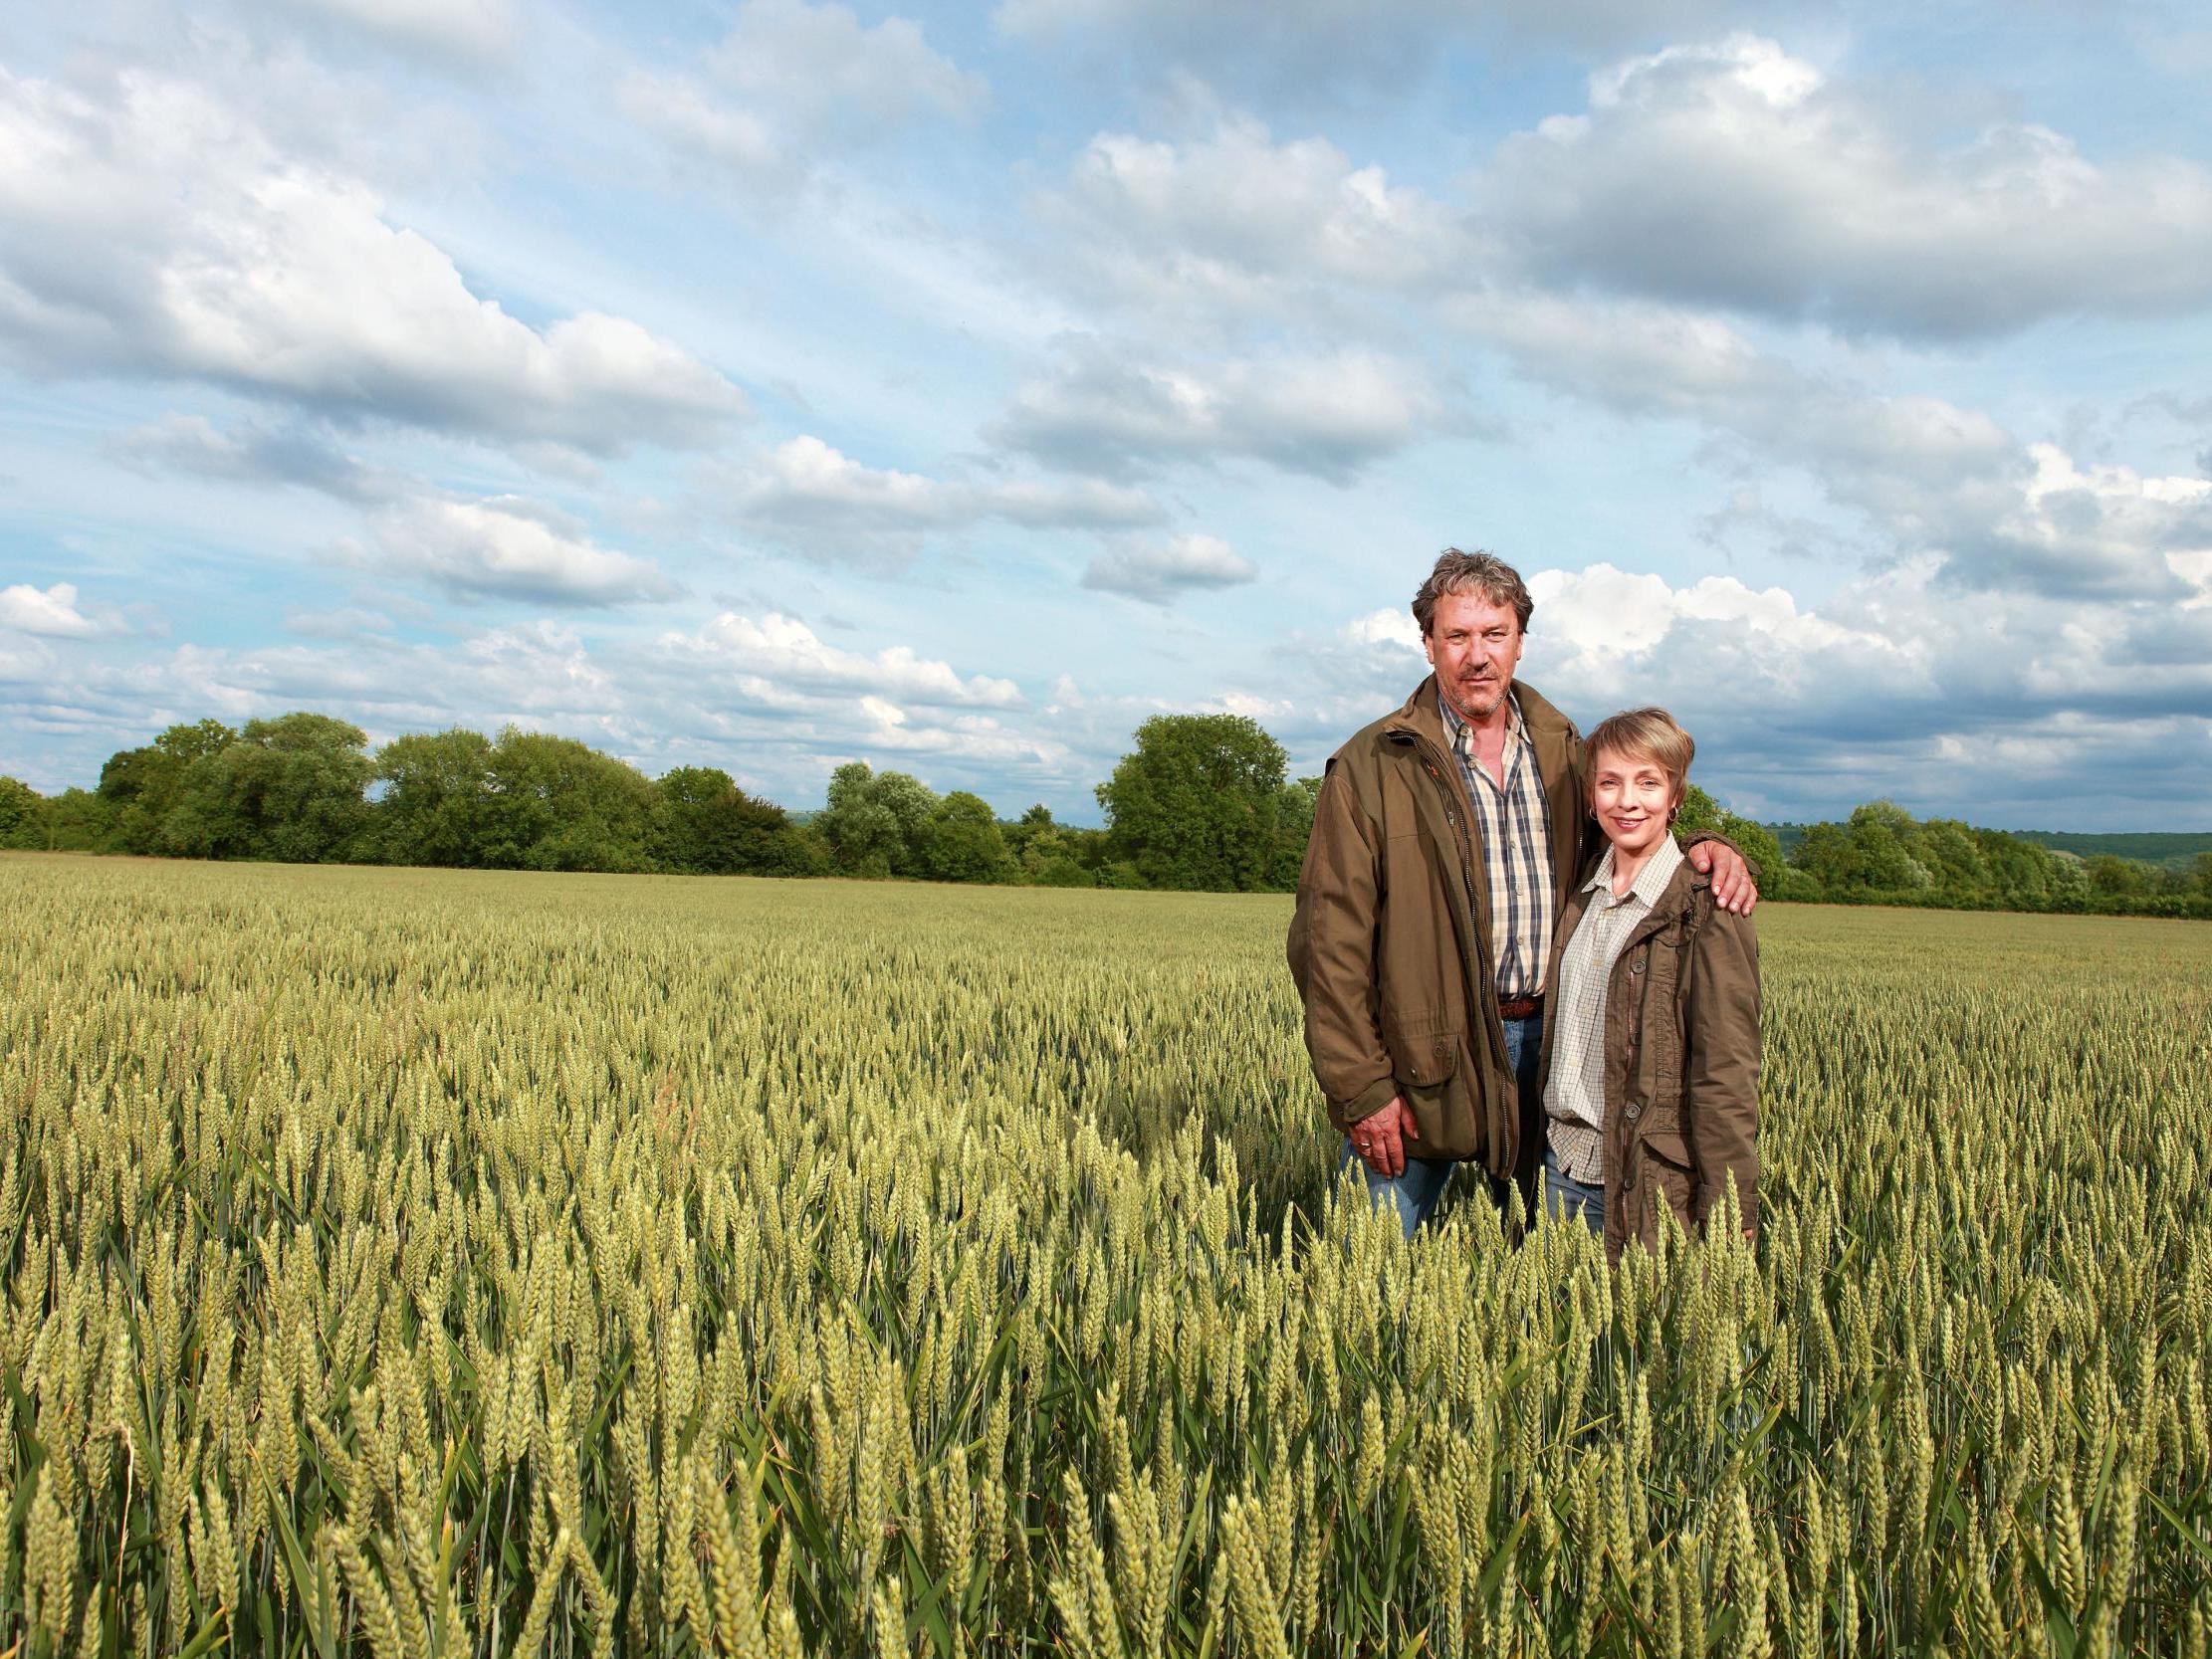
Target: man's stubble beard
(1458, 696)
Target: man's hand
(1733, 887)
(1381, 1139)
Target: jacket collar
(1673, 899)
(1651, 882)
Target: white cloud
(1733, 175)
(1069, 503)
(1160, 572)
(1396, 628)
(1596, 630)
(1638, 358)
(1931, 478)
(2106, 529)
(806, 486)
(1102, 410)
(686, 113)
(344, 622)
(51, 611)
(809, 495)
(468, 30)
(1304, 48)
(193, 445)
(827, 77)
(1237, 222)
(776, 656)
(1632, 357)
(157, 233)
(792, 84)
(503, 548)
(26, 663)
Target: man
(1445, 839)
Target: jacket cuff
(1365, 1103)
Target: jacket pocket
(1427, 1064)
(1421, 1057)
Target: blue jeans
(1571, 1197)
(1414, 1194)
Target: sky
(777, 385)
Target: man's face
(1474, 646)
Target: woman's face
(1631, 796)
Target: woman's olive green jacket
(1682, 1062)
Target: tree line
(1881, 854)
(1202, 802)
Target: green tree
(1870, 853)
(2203, 873)
(566, 806)
(877, 823)
(705, 824)
(1025, 830)
(1293, 829)
(964, 842)
(2018, 867)
(1196, 805)
(79, 821)
(859, 830)
(2069, 873)
(143, 786)
(287, 788)
(1823, 856)
(2111, 876)
(1881, 841)
(913, 808)
(22, 815)
(1953, 858)
(438, 806)
(1700, 811)
(1049, 854)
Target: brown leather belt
(1520, 1007)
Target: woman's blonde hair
(1646, 734)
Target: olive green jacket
(1390, 944)
(1682, 1062)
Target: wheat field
(407, 1262)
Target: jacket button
(1635, 964)
(1636, 1110)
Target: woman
(1651, 1047)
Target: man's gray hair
(1477, 573)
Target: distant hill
(2172, 852)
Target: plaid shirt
(1574, 1094)
(1515, 838)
